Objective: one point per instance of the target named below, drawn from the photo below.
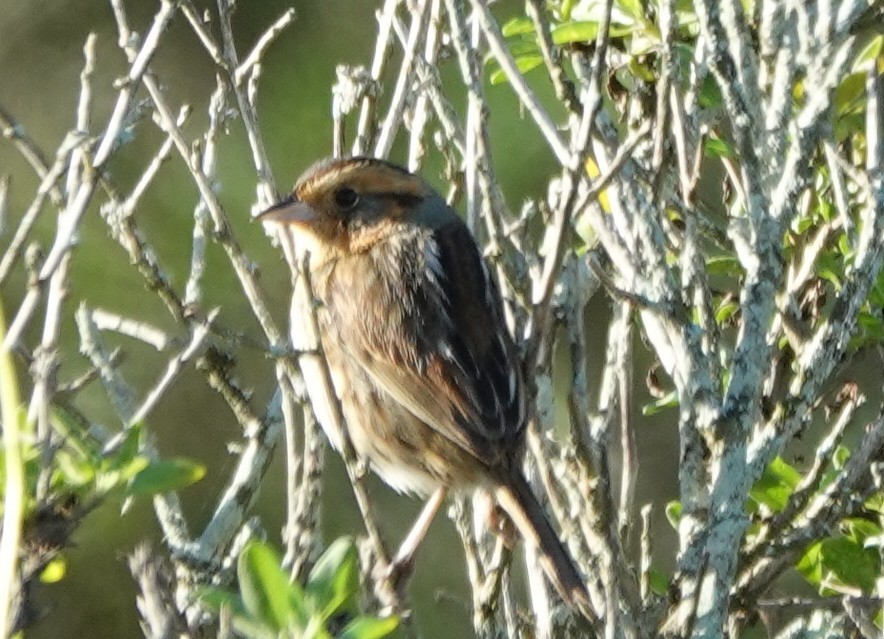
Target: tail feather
(517, 499)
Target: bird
(412, 328)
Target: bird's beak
(289, 211)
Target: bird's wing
(449, 358)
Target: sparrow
(411, 325)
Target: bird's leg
(401, 566)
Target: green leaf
(670, 400)
(525, 63)
(718, 148)
(107, 480)
(840, 456)
(869, 52)
(844, 246)
(871, 327)
(835, 561)
(370, 628)
(673, 513)
(776, 485)
(517, 48)
(857, 529)
(726, 310)
(165, 475)
(850, 563)
(517, 26)
(710, 94)
(247, 626)
(639, 70)
(850, 93)
(334, 580)
(848, 124)
(215, 599)
(659, 582)
(633, 8)
(75, 470)
(723, 265)
(875, 503)
(582, 31)
(264, 586)
(74, 434)
(810, 565)
(571, 32)
(830, 268)
(134, 467)
(127, 449)
(876, 296)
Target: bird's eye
(346, 198)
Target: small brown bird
(411, 325)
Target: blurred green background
(40, 62)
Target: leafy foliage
(83, 471)
(269, 604)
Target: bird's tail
(517, 499)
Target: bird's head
(345, 206)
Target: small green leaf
(525, 63)
(858, 529)
(571, 32)
(639, 70)
(264, 586)
(838, 560)
(850, 93)
(75, 470)
(68, 425)
(725, 311)
(810, 565)
(517, 26)
(869, 52)
(718, 148)
(848, 124)
(844, 246)
(840, 457)
(723, 265)
(215, 599)
(850, 563)
(633, 8)
(370, 628)
(334, 580)
(107, 480)
(133, 467)
(659, 582)
(517, 48)
(670, 400)
(583, 31)
(776, 485)
(876, 296)
(247, 626)
(673, 513)
(165, 475)
(875, 503)
(127, 449)
(710, 94)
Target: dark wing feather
(449, 358)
